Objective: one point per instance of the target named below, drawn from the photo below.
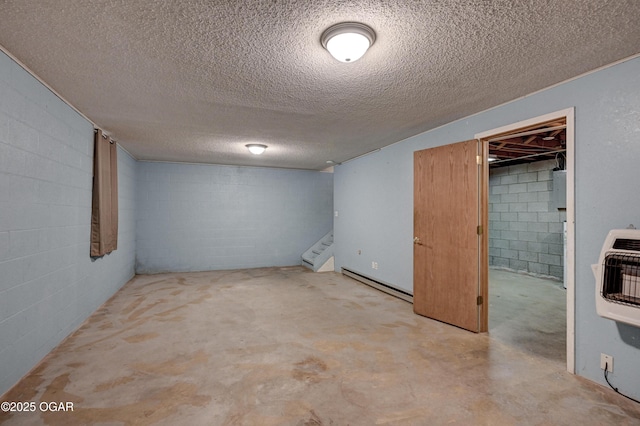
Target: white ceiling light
(348, 41)
(256, 148)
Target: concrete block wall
(525, 227)
(206, 217)
(48, 283)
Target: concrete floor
(529, 313)
(285, 346)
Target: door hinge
(479, 159)
(479, 300)
(479, 230)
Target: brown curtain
(104, 211)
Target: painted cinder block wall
(374, 199)
(197, 217)
(525, 225)
(48, 283)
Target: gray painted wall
(207, 217)
(48, 283)
(525, 227)
(374, 199)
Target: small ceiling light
(492, 158)
(256, 148)
(348, 41)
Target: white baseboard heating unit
(618, 277)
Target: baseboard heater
(378, 285)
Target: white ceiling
(196, 80)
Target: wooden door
(448, 268)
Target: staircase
(320, 256)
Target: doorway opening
(531, 243)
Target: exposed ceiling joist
(527, 133)
(535, 143)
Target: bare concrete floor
(529, 313)
(285, 346)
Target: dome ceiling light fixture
(256, 148)
(348, 41)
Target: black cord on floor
(606, 369)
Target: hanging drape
(104, 211)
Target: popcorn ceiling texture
(196, 80)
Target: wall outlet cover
(606, 361)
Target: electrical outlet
(606, 361)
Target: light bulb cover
(256, 148)
(348, 41)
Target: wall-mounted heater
(618, 277)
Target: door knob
(417, 241)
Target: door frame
(568, 114)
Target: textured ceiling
(196, 80)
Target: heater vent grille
(621, 281)
(626, 244)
